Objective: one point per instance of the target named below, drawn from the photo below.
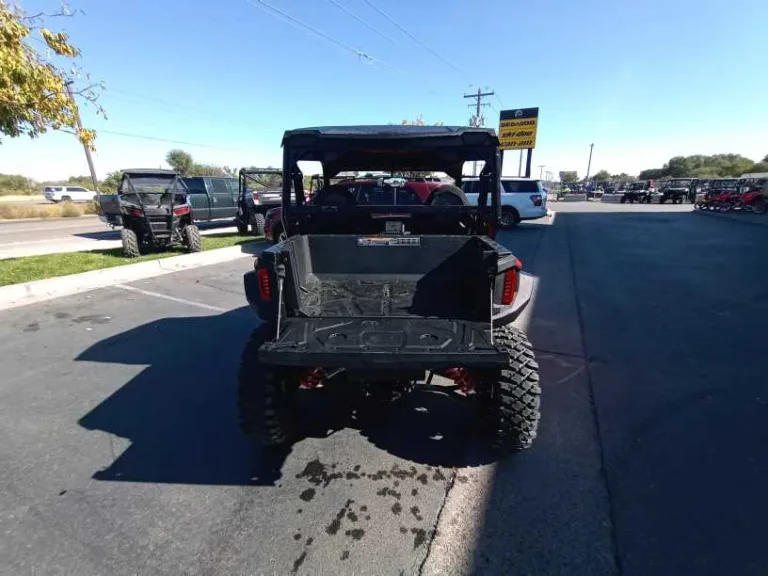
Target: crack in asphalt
(433, 531)
(587, 365)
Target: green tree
(569, 176)
(15, 184)
(760, 167)
(109, 184)
(602, 175)
(180, 161)
(33, 96)
(623, 177)
(651, 174)
(715, 166)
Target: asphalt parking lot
(122, 455)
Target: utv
(153, 208)
(641, 192)
(377, 294)
(677, 190)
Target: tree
(569, 176)
(602, 175)
(623, 177)
(698, 166)
(765, 159)
(180, 161)
(33, 95)
(109, 184)
(760, 167)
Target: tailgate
(390, 343)
(109, 204)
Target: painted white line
(171, 298)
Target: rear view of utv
(378, 293)
(154, 211)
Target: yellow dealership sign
(517, 128)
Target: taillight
(182, 210)
(536, 199)
(492, 231)
(511, 279)
(255, 197)
(136, 212)
(265, 288)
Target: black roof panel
(386, 131)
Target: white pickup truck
(521, 198)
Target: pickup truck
(212, 198)
(521, 199)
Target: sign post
(517, 131)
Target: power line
(285, 16)
(411, 36)
(363, 22)
(155, 138)
(192, 112)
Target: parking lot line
(171, 298)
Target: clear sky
(643, 80)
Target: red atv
(726, 201)
(755, 201)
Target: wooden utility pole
(68, 86)
(589, 165)
(477, 120)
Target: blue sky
(642, 80)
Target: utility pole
(477, 120)
(68, 86)
(541, 170)
(520, 164)
(589, 165)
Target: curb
(16, 295)
(611, 198)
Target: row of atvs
(726, 200)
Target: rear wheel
(192, 238)
(257, 224)
(66, 199)
(511, 400)
(242, 227)
(759, 206)
(130, 243)
(265, 398)
(278, 234)
(509, 218)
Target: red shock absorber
(313, 378)
(462, 378)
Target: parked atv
(153, 208)
(640, 192)
(678, 190)
(378, 295)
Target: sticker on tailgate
(379, 241)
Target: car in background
(212, 197)
(69, 194)
(521, 198)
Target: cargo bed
(356, 301)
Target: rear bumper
(391, 344)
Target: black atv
(153, 208)
(377, 294)
(640, 192)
